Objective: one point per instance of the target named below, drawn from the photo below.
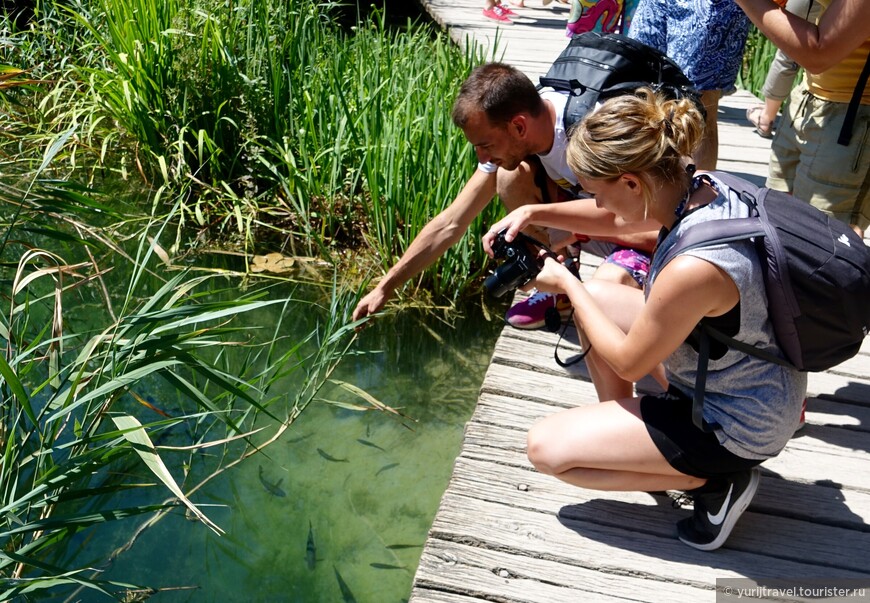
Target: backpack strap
(854, 103)
(701, 381)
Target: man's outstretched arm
(443, 231)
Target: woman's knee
(537, 449)
(543, 449)
(614, 274)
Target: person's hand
(513, 222)
(371, 303)
(551, 278)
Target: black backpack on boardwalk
(596, 66)
(816, 275)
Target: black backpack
(596, 66)
(816, 275)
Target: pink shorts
(635, 262)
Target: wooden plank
(436, 594)
(494, 575)
(533, 350)
(822, 544)
(581, 540)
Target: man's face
(502, 144)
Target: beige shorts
(807, 161)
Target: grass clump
(275, 128)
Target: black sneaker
(718, 505)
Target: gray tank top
(756, 403)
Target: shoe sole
(731, 518)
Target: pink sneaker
(507, 10)
(497, 13)
(531, 313)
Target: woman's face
(622, 196)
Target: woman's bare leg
(603, 446)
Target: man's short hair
(500, 91)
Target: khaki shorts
(806, 160)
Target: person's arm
(685, 291)
(843, 27)
(581, 216)
(443, 231)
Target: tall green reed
(380, 110)
(756, 62)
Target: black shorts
(689, 450)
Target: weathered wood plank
(575, 537)
(493, 575)
(533, 350)
(634, 511)
(436, 594)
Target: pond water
(339, 508)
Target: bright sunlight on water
(339, 508)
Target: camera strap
(574, 359)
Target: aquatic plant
(76, 417)
(274, 127)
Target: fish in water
(387, 566)
(371, 444)
(329, 457)
(404, 546)
(298, 439)
(386, 468)
(273, 489)
(310, 548)
(346, 595)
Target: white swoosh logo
(719, 517)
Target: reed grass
(74, 412)
(273, 126)
(757, 57)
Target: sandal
(753, 115)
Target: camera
(520, 263)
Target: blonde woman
(632, 154)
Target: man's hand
(514, 222)
(371, 303)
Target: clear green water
(364, 485)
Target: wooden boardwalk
(506, 533)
